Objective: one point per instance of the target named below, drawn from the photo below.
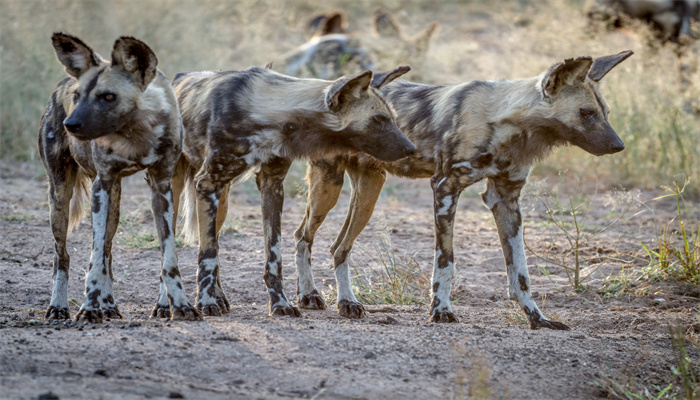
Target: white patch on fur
(306, 277)
(274, 266)
(214, 199)
(154, 98)
(264, 145)
(99, 227)
(151, 158)
(169, 256)
(443, 276)
(210, 264)
(519, 267)
(59, 295)
(98, 260)
(49, 134)
(342, 278)
(490, 199)
(446, 204)
(163, 295)
(464, 164)
(282, 302)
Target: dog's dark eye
(587, 112)
(76, 97)
(381, 118)
(109, 97)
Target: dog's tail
(190, 226)
(81, 189)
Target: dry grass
(477, 41)
(391, 278)
(677, 255)
(686, 387)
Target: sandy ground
(393, 353)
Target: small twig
(33, 258)
(381, 310)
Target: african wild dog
(239, 120)
(492, 130)
(331, 51)
(675, 23)
(670, 19)
(108, 120)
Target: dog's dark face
(370, 122)
(579, 114)
(105, 94)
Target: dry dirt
(393, 353)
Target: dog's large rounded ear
(566, 73)
(135, 58)
(74, 54)
(384, 78)
(347, 88)
(326, 24)
(602, 65)
(423, 38)
(384, 24)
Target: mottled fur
(331, 51)
(240, 122)
(464, 133)
(108, 120)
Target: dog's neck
(524, 115)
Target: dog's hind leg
(446, 191)
(211, 182)
(502, 197)
(325, 181)
(269, 180)
(367, 184)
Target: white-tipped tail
(190, 226)
(77, 202)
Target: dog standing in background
(331, 51)
(108, 120)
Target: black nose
(72, 126)
(617, 147)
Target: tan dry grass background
(477, 40)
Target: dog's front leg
(502, 197)
(446, 191)
(163, 210)
(99, 298)
(269, 180)
(60, 193)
